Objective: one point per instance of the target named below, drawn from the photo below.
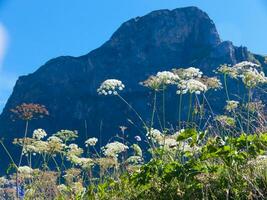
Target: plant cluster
(206, 156)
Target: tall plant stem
(24, 139)
(226, 88)
(163, 109)
(137, 114)
(180, 110)
(189, 109)
(21, 155)
(154, 110)
(248, 117)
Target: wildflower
(191, 86)
(228, 70)
(166, 77)
(82, 162)
(246, 65)
(161, 80)
(40, 146)
(106, 163)
(66, 135)
(110, 86)
(138, 138)
(155, 135)
(231, 105)
(137, 150)
(252, 78)
(73, 149)
(62, 188)
(78, 188)
(134, 160)
(170, 143)
(30, 111)
(188, 73)
(225, 120)
(39, 134)
(255, 106)
(91, 142)
(55, 144)
(114, 148)
(211, 82)
(25, 171)
(247, 71)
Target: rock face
(160, 40)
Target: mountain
(160, 40)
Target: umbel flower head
(161, 80)
(91, 142)
(110, 87)
(231, 105)
(191, 86)
(39, 134)
(248, 72)
(114, 148)
(211, 82)
(188, 73)
(30, 111)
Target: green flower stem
(190, 107)
(180, 110)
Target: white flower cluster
(155, 135)
(161, 80)
(253, 77)
(91, 142)
(110, 87)
(25, 170)
(167, 77)
(82, 162)
(114, 148)
(39, 134)
(247, 71)
(245, 65)
(191, 86)
(188, 73)
(231, 105)
(170, 143)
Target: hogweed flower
(245, 65)
(91, 142)
(231, 105)
(66, 135)
(228, 70)
(55, 144)
(161, 80)
(251, 78)
(247, 71)
(137, 150)
(39, 134)
(25, 171)
(170, 143)
(255, 106)
(191, 86)
(114, 148)
(155, 135)
(211, 82)
(188, 73)
(167, 78)
(225, 120)
(110, 87)
(30, 111)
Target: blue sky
(34, 31)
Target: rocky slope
(160, 40)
